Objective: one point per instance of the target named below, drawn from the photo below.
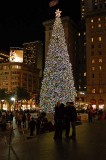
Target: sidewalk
(90, 145)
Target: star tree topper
(58, 13)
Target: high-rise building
(4, 57)
(88, 6)
(33, 54)
(95, 53)
(14, 74)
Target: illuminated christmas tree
(58, 81)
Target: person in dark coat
(59, 120)
(70, 118)
(32, 124)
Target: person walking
(24, 120)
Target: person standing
(32, 124)
(73, 120)
(70, 118)
(59, 120)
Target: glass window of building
(79, 87)
(93, 90)
(100, 53)
(92, 46)
(84, 74)
(92, 27)
(92, 53)
(100, 90)
(100, 67)
(99, 46)
(93, 68)
(79, 34)
(16, 67)
(92, 39)
(5, 67)
(99, 19)
(93, 61)
(93, 75)
(91, 20)
(100, 39)
(99, 25)
(100, 60)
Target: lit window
(92, 20)
(15, 67)
(92, 39)
(79, 87)
(93, 68)
(100, 67)
(93, 61)
(79, 34)
(92, 27)
(84, 33)
(100, 90)
(99, 38)
(84, 44)
(84, 74)
(100, 60)
(99, 19)
(5, 67)
(99, 25)
(93, 90)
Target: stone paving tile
(89, 145)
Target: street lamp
(13, 99)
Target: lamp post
(13, 99)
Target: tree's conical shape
(58, 81)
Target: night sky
(21, 21)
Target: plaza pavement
(90, 144)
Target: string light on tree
(58, 81)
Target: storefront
(93, 103)
(101, 103)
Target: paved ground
(90, 145)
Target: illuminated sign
(16, 55)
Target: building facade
(4, 57)
(15, 74)
(33, 55)
(95, 53)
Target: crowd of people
(5, 117)
(94, 114)
(65, 117)
(40, 124)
